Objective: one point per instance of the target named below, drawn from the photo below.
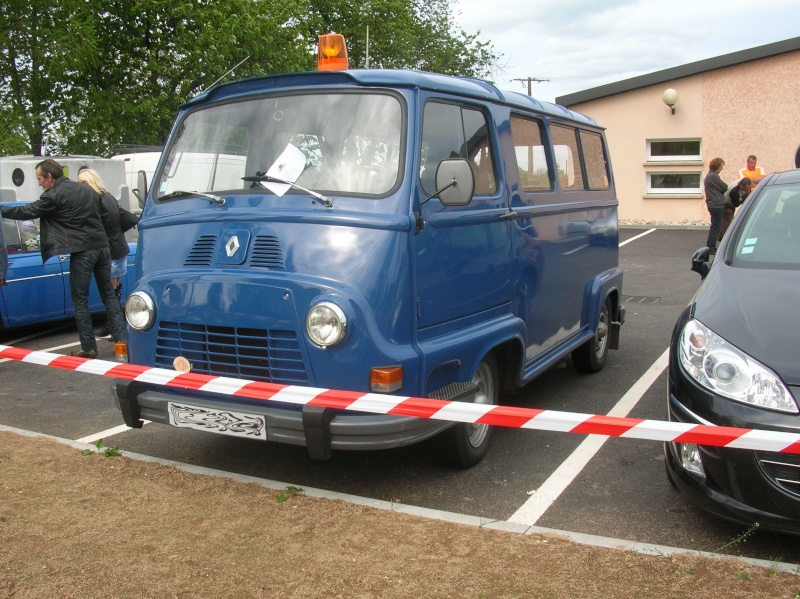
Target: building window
(673, 183)
(673, 150)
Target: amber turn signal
(387, 379)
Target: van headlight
(722, 368)
(326, 324)
(140, 310)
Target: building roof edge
(679, 72)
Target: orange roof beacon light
(332, 55)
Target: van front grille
(202, 253)
(259, 354)
(266, 253)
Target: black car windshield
(770, 237)
(339, 143)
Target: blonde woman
(116, 237)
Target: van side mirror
(700, 262)
(455, 185)
(141, 188)
(455, 182)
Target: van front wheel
(591, 356)
(465, 444)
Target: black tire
(591, 356)
(671, 480)
(466, 444)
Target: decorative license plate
(223, 422)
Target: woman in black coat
(715, 189)
(114, 231)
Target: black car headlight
(725, 370)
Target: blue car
(37, 293)
(734, 362)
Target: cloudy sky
(580, 44)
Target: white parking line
(40, 334)
(109, 432)
(95, 437)
(543, 497)
(637, 237)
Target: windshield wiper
(326, 201)
(174, 195)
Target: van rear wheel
(591, 356)
(465, 444)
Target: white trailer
(18, 177)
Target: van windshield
(351, 143)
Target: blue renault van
(370, 230)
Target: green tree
(161, 53)
(43, 47)
(85, 75)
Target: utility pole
(530, 80)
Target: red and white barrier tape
(452, 411)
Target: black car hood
(758, 311)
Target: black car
(735, 361)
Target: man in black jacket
(71, 223)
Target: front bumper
(740, 485)
(318, 429)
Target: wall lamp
(670, 97)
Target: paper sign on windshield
(289, 166)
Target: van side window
(534, 172)
(565, 148)
(451, 131)
(594, 159)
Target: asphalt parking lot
(593, 485)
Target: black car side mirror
(700, 262)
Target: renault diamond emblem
(232, 246)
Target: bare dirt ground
(85, 526)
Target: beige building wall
(752, 108)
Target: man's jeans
(82, 266)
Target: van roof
(462, 86)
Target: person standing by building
(118, 245)
(752, 172)
(734, 198)
(715, 189)
(71, 223)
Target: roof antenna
(227, 73)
